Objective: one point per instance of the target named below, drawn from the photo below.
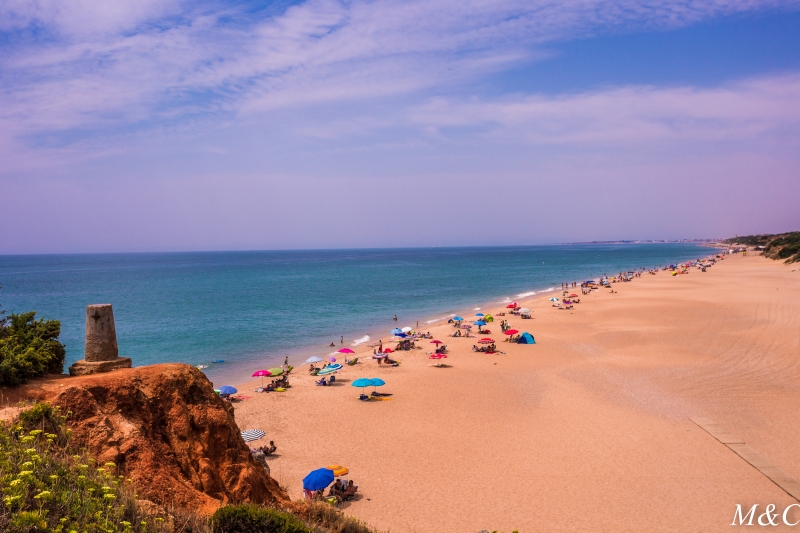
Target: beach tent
(526, 338)
(489, 318)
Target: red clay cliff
(167, 430)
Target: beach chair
(353, 361)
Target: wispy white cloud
(628, 115)
(130, 62)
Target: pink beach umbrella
(345, 350)
(261, 374)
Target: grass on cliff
(48, 485)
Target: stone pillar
(101, 336)
(101, 353)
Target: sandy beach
(588, 430)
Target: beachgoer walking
(341, 341)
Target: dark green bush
(249, 518)
(29, 348)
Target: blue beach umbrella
(377, 382)
(396, 331)
(362, 382)
(227, 389)
(457, 319)
(480, 323)
(314, 359)
(479, 314)
(318, 479)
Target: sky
(166, 125)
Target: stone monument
(102, 353)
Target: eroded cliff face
(166, 429)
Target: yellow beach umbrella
(338, 470)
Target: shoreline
(297, 357)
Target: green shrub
(29, 348)
(249, 518)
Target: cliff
(168, 431)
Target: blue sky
(168, 125)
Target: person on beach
(395, 318)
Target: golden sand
(588, 430)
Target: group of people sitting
(324, 383)
(280, 383)
(441, 349)
(387, 361)
(343, 491)
(458, 333)
(490, 348)
(265, 450)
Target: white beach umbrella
(406, 329)
(524, 310)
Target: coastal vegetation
(785, 246)
(29, 348)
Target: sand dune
(588, 430)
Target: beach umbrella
(511, 306)
(395, 331)
(362, 382)
(466, 326)
(345, 350)
(480, 323)
(438, 356)
(486, 340)
(379, 356)
(377, 382)
(314, 359)
(553, 299)
(458, 319)
(387, 350)
(227, 389)
(511, 331)
(252, 434)
(524, 310)
(338, 470)
(262, 374)
(318, 479)
(406, 329)
(479, 314)
(436, 342)
(332, 359)
(277, 371)
(573, 295)
(401, 335)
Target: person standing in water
(341, 341)
(395, 318)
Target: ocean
(251, 309)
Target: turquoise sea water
(253, 308)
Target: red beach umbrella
(262, 374)
(573, 295)
(388, 350)
(438, 356)
(486, 340)
(511, 331)
(345, 350)
(436, 342)
(511, 306)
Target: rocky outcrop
(165, 428)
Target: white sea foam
(526, 294)
(477, 309)
(551, 289)
(361, 340)
(505, 300)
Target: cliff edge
(165, 428)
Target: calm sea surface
(253, 308)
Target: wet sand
(588, 430)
